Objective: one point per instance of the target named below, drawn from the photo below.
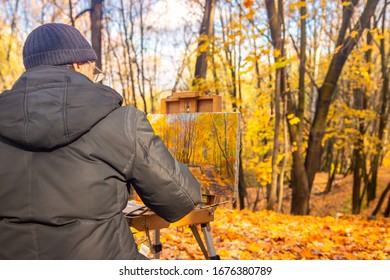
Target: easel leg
(157, 246)
(209, 242)
(208, 253)
(199, 240)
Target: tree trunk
(71, 17)
(130, 78)
(254, 208)
(326, 91)
(96, 29)
(357, 154)
(242, 193)
(206, 30)
(372, 186)
(230, 58)
(302, 70)
(381, 199)
(275, 23)
(300, 195)
(356, 182)
(358, 159)
(332, 172)
(387, 211)
(383, 115)
(214, 69)
(141, 70)
(272, 196)
(285, 158)
(347, 14)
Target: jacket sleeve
(164, 184)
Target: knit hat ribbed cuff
(58, 57)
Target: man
(68, 154)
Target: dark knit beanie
(56, 44)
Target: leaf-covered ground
(247, 235)
(264, 234)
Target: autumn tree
(206, 30)
(96, 29)
(275, 23)
(344, 46)
(10, 45)
(384, 104)
(301, 192)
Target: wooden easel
(143, 219)
(190, 102)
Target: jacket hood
(52, 106)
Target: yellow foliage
(248, 3)
(297, 5)
(386, 160)
(250, 14)
(10, 60)
(353, 34)
(277, 53)
(366, 47)
(203, 47)
(292, 119)
(282, 62)
(337, 49)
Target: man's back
(69, 153)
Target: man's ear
(76, 66)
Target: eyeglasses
(98, 75)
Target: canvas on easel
(208, 143)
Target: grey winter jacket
(68, 154)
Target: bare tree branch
(13, 24)
(307, 70)
(82, 13)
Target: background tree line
(310, 77)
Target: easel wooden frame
(190, 102)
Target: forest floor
(330, 232)
(335, 203)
